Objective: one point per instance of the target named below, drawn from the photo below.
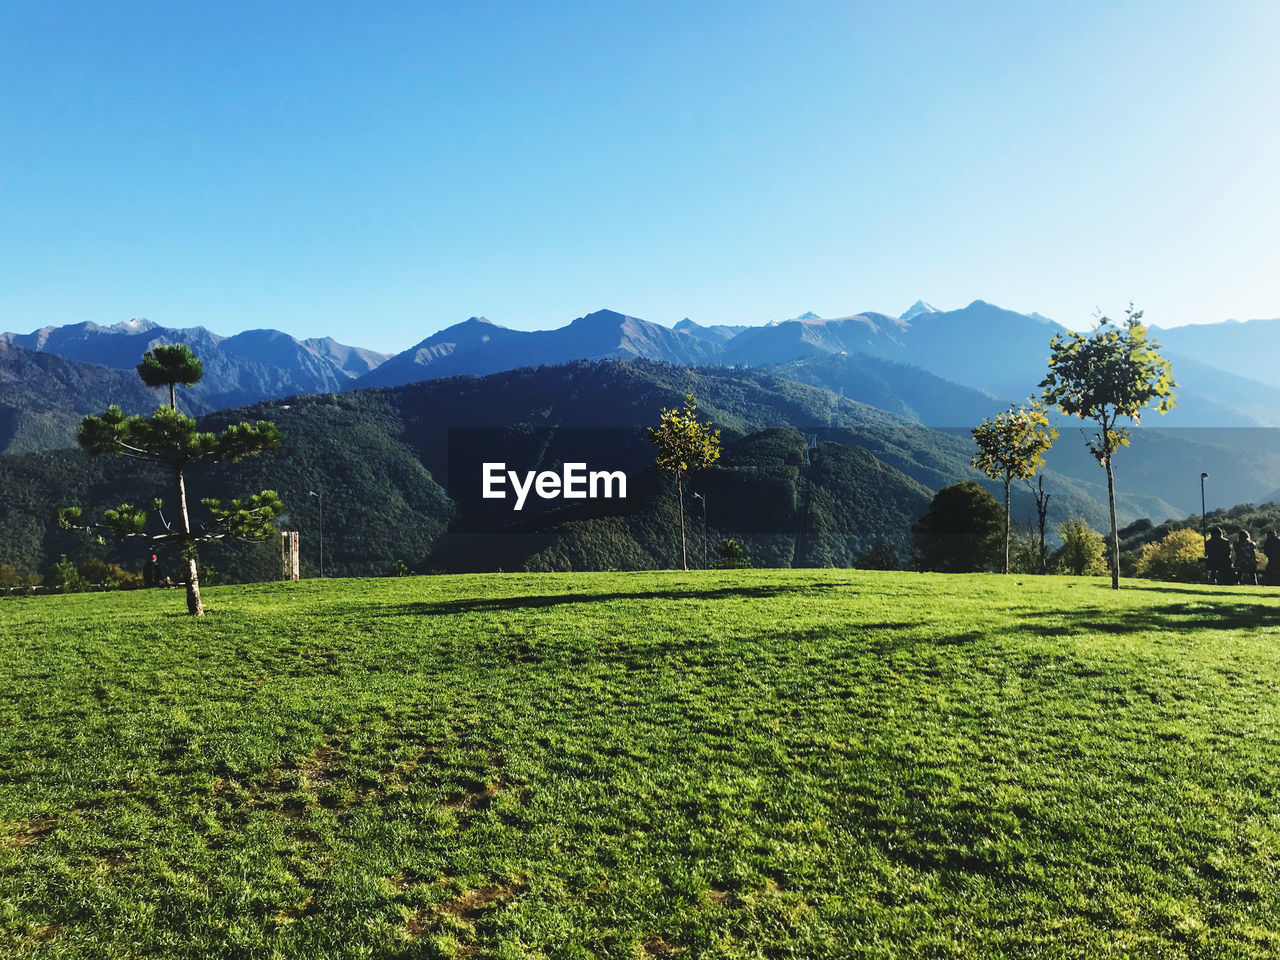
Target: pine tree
(172, 441)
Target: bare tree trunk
(1006, 524)
(1042, 516)
(684, 555)
(1115, 539)
(194, 606)
(173, 398)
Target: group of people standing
(1236, 561)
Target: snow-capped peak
(917, 308)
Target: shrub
(961, 532)
(65, 578)
(1177, 557)
(112, 576)
(1083, 549)
(881, 555)
(732, 556)
(13, 580)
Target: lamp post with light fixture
(1204, 528)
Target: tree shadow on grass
(886, 637)
(539, 601)
(1176, 618)
(1204, 590)
(1165, 618)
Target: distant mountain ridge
(1226, 373)
(1245, 348)
(873, 333)
(982, 347)
(714, 334)
(240, 369)
(478, 346)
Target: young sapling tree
(684, 445)
(1012, 445)
(1115, 371)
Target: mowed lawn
(713, 764)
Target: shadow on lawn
(890, 637)
(1175, 618)
(534, 602)
(1200, 609)
(1201, 590)
(1165, 618)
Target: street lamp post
(1204, 528)
(320, 497)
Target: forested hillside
(43, 396)
(807, 478)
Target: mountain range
(1247, 349)
(1225, 371)
(479, 346)
(987, 349)
(897, 395)
(240, 369)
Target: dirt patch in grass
(319, 769)
(657, 947)
(476, 799)
(29, 832)
(46, 932)
(471, 904)
(323, 766)
(409, 878)
(467, 907)
(298, 911)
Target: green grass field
(747, 764)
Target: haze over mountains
(1248, 349)
(1226, 372)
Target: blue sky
(378, 171)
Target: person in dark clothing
(1217, 551)
(1271, 547)
(151, 573)
(1246, 558)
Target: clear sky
(376, 171)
